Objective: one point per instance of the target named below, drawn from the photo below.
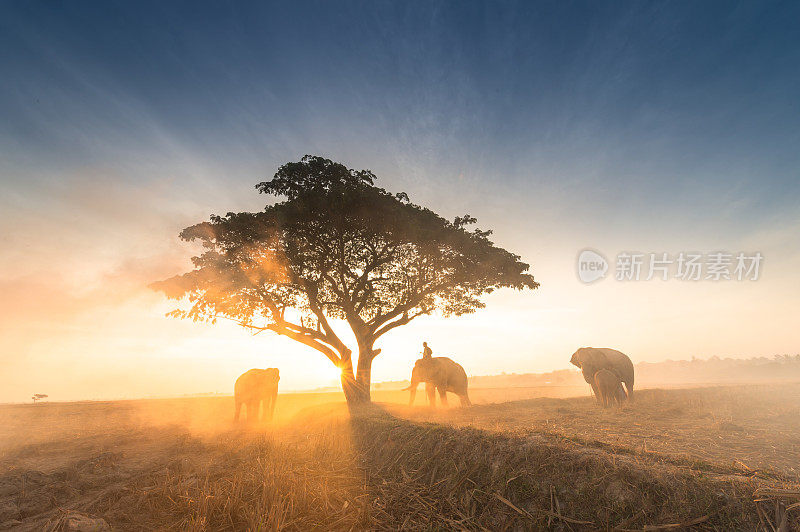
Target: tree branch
(307, 340)
(305, 335)
(413, 301)
(404, 319)
(362, 281)
(312, 292)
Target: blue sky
(617, 125)
(644, 88)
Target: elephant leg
(443, 396)
(620, 396)
(412, 396)
(430, 390)
(272, 402)
(588, 376)
(597, 393)
(629, 386)
(237, 411)
(266, 409)
(252, 411)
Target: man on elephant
(427, 352)
(591, 360)
(439, 374)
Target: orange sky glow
(620, 127)
(78, 321)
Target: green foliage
(339, 247)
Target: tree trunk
(364, 373)
(356, 386)
(353, 392)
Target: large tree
(337, 247)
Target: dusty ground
(674, 458)
(743, 429)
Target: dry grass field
(717, 458)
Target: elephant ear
(425, 368)
(599, 359)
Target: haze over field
(615, 127)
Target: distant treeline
(694, 371)
(723, 370)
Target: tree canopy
(339, 247)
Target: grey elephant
(593, 359)
(254, 387)
(442, 374)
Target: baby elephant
(609, 388)
(254, 387)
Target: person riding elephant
(427, 352)
(442, 374)
(254, 387)
(591, 360)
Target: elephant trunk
(413, 388)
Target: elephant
(442, 374)
(254, 386)
(609, 388)
(591, 360)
